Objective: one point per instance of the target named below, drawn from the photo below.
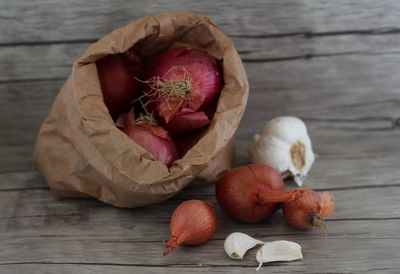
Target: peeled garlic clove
(278, 251)
(285, 145)
(237, 244)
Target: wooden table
(335, 64)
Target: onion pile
(175, 92)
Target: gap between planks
(317, 189)
(306, 34)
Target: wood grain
(36, 207)
(54, 60)
(75, 20)
(337, 96)
(319, 254)
(84, 233)
(334, 64)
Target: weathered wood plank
(358, 167)
(15, 158)
(13, 181)
(44, 61)
(25, 105)
(50, 268)
(24, 210)
(323, 254)
(257, 49)
(355, 159)
(59, 21)
(337, 96)
(67, 231)
(86, 234)
(38, 62)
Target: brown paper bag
(79, 150)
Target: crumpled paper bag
(81, 153)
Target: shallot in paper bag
(81, 152)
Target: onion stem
(264, 197)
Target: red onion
(154, 139)
(117, 79)
(252, 193)
(187, 119)
(181, 78)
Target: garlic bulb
(237, 244)
(285, 145)
(278, 251)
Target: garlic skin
(278, 251)
(285, 145)
(237, 244)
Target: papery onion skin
(126, 120)
(117, 80)
(155, 140)
(310, 210)
(193, 222)
(188, 121)
(240, 192)
(175, 64)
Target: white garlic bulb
(237, 244)
(285, 145)
(278, 251)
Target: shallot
(193, 222)
(155, 139)
(179, 79)
(119, 87)
(252, 193)
(310, 210)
